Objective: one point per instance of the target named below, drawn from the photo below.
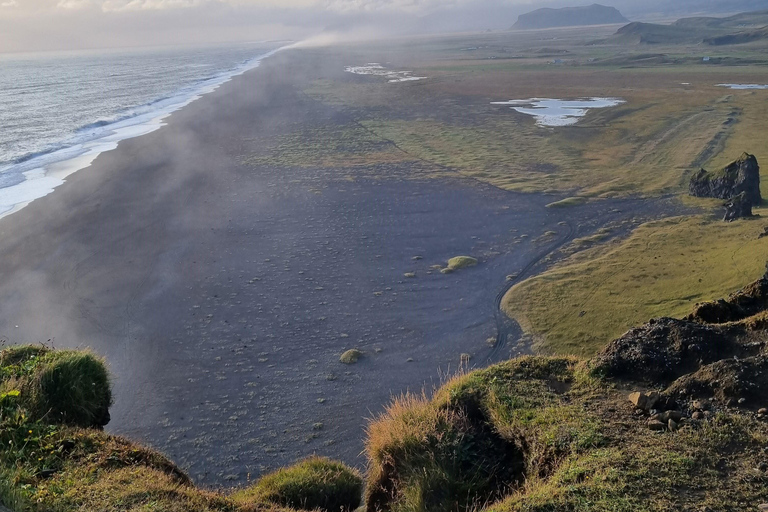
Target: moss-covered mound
(459, 262)
(65, 387)
(313, 484)
(351, 356)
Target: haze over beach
(384, 254)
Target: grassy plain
(661, 269)
(675, 117)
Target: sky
(41, 25)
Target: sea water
(59, 110)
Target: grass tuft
(72, 388)
(316, 483)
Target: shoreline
(46, 171)
(223, 293)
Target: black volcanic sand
(222, 294)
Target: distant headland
(594, 14)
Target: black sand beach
(223, 293)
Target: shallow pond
(554, 112)
(743, 86)
(377, 69)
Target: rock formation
(737, 207)
(594, 14)
(743, 175)
(718, 352)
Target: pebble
(698, 415)
(701, 405)
(644, 400)
(656, 425)
(762, 410)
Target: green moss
(315, 483)
(17, 355)
(481, 433)
(72, 388)
(351, 356)
(57, 387)
(460, 262)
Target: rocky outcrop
(718, 352)
(665, 349)
(743, 381)
(749, 301)
(594, 14)
(743, 175)
(737, 207)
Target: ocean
(59, 110)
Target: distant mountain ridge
(594, 14)
(738, 29)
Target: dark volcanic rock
(737, 207)
(727, 379)
(666, 348)
(594, 14)
(719, 351)
(749, 301)
(743, 175)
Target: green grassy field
(674, 120)
(661, 269)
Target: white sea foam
(552, 112)
(376, 69)
(743, 86)
(38, 176)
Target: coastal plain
(223, 264)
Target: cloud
(147, 5)
(31, 25)
(73, 4)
